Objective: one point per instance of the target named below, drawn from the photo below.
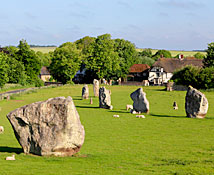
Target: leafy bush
(199, 55)
(146, 53)
(164, 53)
(187, 76)
(145, 60)
(194, 76)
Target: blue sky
(160, 24)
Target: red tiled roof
(171, 64)
(138, 68)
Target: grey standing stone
(104, 98)
(50, 127)
(196, 104)
(96, 87)
(85, 92)
(140, 102)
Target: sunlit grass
(165, 142)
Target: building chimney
(181, 57)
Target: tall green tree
(84, 42)
(44, 58)
(127, 56)
(16, 71)
(103, 60)
(3, 69)
(209, 59)
(30, 61)
(65, 62)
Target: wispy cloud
(30, 16)
(124, 4)
(181, 3)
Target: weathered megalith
(50, 127)
(196, 104)
(140, 102)
(85, 92)
(104, 98)
(96, 87)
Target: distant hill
(44, 49)
(33, 45)
(176, 52)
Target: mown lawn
(165, 142)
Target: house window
(158, 74)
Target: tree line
(19, 65)
(102, 56)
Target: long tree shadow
(77, 97)
(209, 118)
(11, 150)
(95, 107)
(119, 111)
(167, 116)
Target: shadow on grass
(155, 115)
(119, 111)
(77, 97)
(160, 90)
(87, 107)
(11, 150)
(209, 118)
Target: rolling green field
(173, 52)
(165, 142)
(176, 52)
(43, 49)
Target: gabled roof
(171, 64)
(138, 68)
(44, 71)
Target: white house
(162, 70)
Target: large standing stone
(104, 98)
(96, 87)
(196, 104)
(50, 127)
(141, 104)
(85, 92)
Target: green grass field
(43, 49)
(176, 52)
(165, 142)
(173, 52)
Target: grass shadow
(119, 111)
(77, 97)
(87, 107)
(169, 116)
(209, 118)
(11, 150)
